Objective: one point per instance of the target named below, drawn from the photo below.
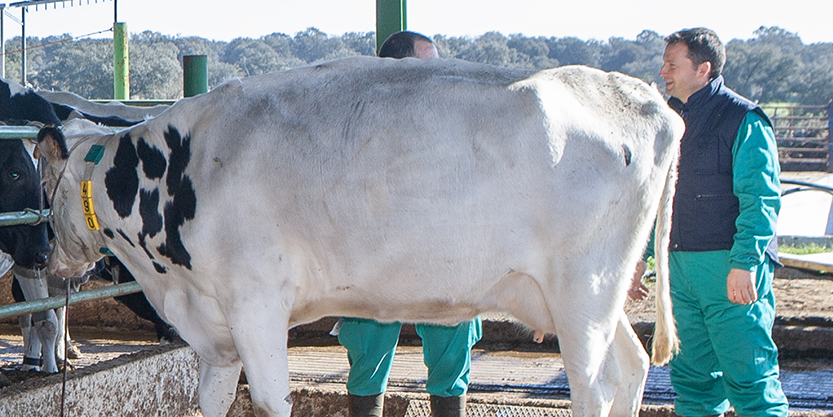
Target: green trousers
(727, 355)
(446, 349)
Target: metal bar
(139, 103)
(390, 18)
(18, 132)
(830, 136)
(22, 217)
(23, 47)
(44, 304)
(194, 75)
(121, 62)
(2, 41)
(818, 187)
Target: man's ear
(704, 70)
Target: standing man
(723, 246)
(371, 344)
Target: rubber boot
(366, 406)
(448, 406)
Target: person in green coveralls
(371, 344)
(723, 247)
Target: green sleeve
(756, 184)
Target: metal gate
(31, 217)
(803, 136)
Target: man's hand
(740, 286)
(638, 290)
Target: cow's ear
(52, 144)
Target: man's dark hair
(401, 44)
(703, 46)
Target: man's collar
(699, 97)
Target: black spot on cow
(122, 180)
(159, 268)
(153, 160)
(109, 233)
(179, 158)
(125, 237)
(143, 244)
(179, 210)
(184, 204)
(149, 210)
(18, 109)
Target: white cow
(409, 190)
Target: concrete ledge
(160, 382)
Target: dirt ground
(801, 298)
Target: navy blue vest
(705, 207)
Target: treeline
(773, 66)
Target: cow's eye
(15, 175)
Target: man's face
(682, 77)
(425, 50)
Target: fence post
(830, 137)
(390, 18)
(194, 75)
(121, 62)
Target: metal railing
(32, 217)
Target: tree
(574, 51)
(815, 85)
(761, 71)
(252, 57)
(155, 71)
(88, 60)
(774, 66)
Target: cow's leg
(634, 364)
(587, 317)
(46, 325)
(31, 345)
(262, 345)
(218, 387)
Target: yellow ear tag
(87, 203)
(92, 158)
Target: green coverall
(446, 349)
(726, 350)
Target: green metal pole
(14, 218)
(194, 75)
(44, 304)
(121, 62)
(390, 18)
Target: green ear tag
(95, 154)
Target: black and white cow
(28, 247)
(399, 190)
(18, 106)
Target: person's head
(692, 59)
(407, 44)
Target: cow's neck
(92, 158)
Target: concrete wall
(157, 382)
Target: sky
(584, 19)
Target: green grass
(805, 249)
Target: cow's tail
(665, 343)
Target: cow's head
(76, 248)
(20, 190)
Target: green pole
(390, 18)
(194, 75)
(121, 62)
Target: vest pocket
(716, 215)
